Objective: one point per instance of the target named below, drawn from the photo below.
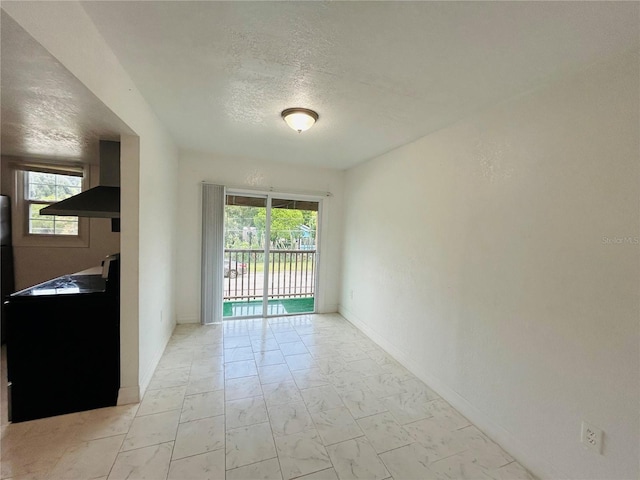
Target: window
(37, 184)
(43, 189)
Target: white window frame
(20, 207)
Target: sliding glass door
(244, 254)
(270, 256)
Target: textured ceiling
(380, 74)
(46, 111)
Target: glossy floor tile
(306, 397)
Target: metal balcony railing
(291, 274)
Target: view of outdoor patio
(285, 276)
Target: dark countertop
(65, 285)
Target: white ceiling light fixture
(300, 119)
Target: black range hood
(102, 201)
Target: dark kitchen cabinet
(63, 347)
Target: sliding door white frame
(267, 265)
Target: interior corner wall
(194, 168)
(502, 267)
(148, 187)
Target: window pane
(41, 227)
(41, 191)
(38, 177)
(66, 228)
(63, 191)
(34, 212)
(52, 187)
(69, 180)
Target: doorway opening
(270, 255)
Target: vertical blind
(213, 198)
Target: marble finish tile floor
(303, 397)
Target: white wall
(478, 256)
(148, 188)
(194, 168)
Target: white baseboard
(538, 466)
(128, 395)
(145, 378)
(328, 309)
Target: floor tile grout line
(312, 473)
(252, 463)
(273, 439)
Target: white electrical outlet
(350, 294)
(591, 437)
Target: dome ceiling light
(300, 119)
